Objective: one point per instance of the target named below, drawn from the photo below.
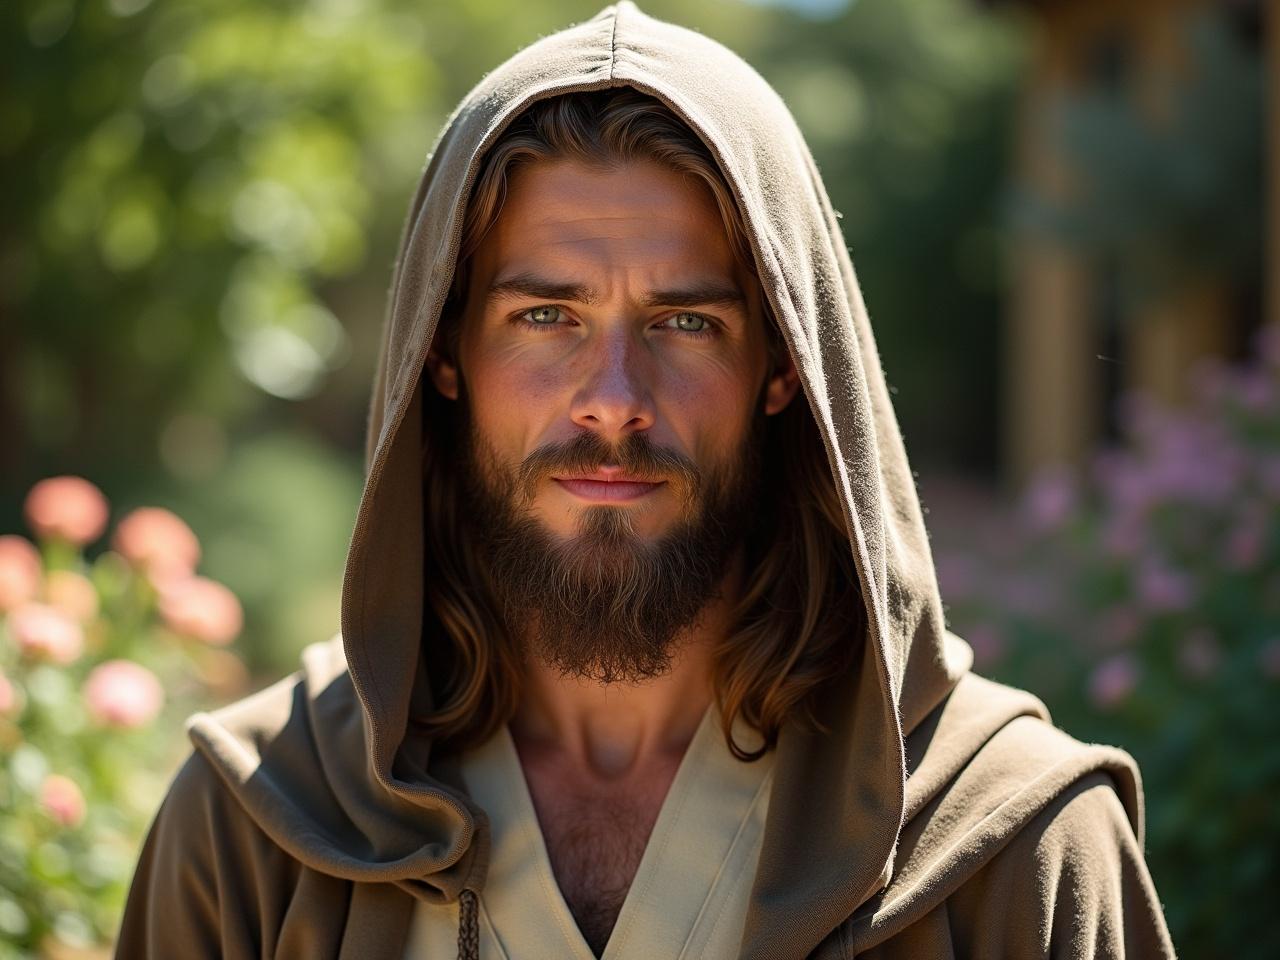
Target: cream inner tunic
(689, 896)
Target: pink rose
(1050, 499)
(73, 594)
(202, 609)
(67, 508)
(121, 693)
(62, 800)
(1113, 680)
(46, 633)
(19, 571)
(157, 541)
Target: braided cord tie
(468, 925)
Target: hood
(320, 759)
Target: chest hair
(595, 840)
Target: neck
(609, 732)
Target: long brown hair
(800, 620)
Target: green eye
(543, 316)
(690, 322)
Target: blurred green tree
(193, 177)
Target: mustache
(637, 455)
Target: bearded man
(642, 651)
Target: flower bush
(101, 659)
(1141, 599)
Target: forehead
(639, 217)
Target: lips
(606, 486)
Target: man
(642, 651)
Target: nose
(614, 399)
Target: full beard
(604, 605)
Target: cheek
(514, 398)
(707, 403)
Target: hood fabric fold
(320, 761)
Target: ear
(444, 373)
(782, 386)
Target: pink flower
(202, 609)
(1199, 654)
(1255, 391)
(19, 571)
(1125, 481)
(62, 800)
(1163, 589)
(121, 693)
(46, 633)
(1175, 455)
(1050, 499)
(73, 594)
(1113, 680)
(157, 541)
(1193, 459)
(67, 508)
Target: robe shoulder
(1071, 883)
(208, 882)
(1080, 860)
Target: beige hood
(319, 761)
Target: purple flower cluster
(1161, 557)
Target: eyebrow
(697, 294)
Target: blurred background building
(1138, 152)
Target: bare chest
(595, 840)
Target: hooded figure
(841, 783)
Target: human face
(609, 301)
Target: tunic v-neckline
(690, 891)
